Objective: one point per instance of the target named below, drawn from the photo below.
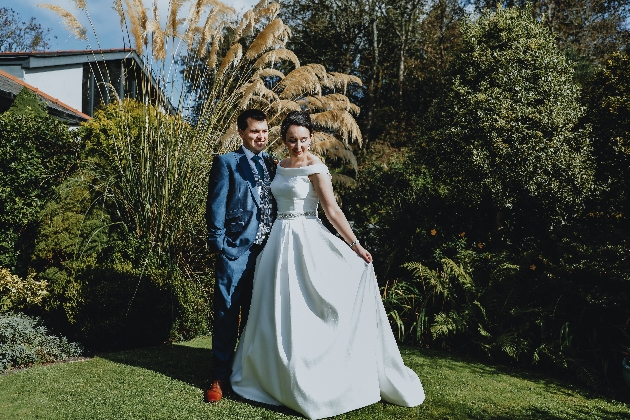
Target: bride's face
(297, 140)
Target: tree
(398, 49)
(403, 17)
(18, 35)
(331, 32)
(504, 132)
(342, 35)
(28, 103)
(438, 41)
(607, 96)
(35, 153)
(591, 28)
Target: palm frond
(173, 22)
(135, 26)
(269, 72)
(80, 4)
(333, 101)
(304, 80)
(118, 7)
(157, 40)
(194, 15)
(343, 180)
(328, 146)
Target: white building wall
(62, 82)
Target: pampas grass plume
(69, 21)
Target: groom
(239, 213)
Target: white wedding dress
(317, 339)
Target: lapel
(246, 170)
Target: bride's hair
(300, 118)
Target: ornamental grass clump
(150, 159)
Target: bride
(317, 339)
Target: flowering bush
(17, 293)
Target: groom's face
(255, 135)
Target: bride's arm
(324, 190)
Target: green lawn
(167, 382)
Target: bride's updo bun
(300, 118)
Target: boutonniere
(272, 163)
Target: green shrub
(394, 207)
(35, 154)
(106, 287)
(505, 131)
(526, 306)
(28, 103)
(121, 271)
(18, 293)
(24, 341)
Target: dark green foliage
(28, 103)
(394, 209)
(591, 28)
(608, 99)
(370, 39)
(93, 272)
(504, 131)
(113, 281)
(35, 154)
(518, 254)
(523, 309)
(24, 341)
(107, 289)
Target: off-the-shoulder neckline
(301, 167)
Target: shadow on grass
(456, 412)
(546, 398)
(553, 384)
(186, 364)
(192, 365)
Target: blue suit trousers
(232, 297)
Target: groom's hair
(254, 114)
(301, 118)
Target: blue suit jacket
(233, 204)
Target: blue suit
(233, 212)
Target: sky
(105, 19)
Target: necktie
(259, 168)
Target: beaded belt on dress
(296, 214)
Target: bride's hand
(362, 252)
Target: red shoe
(215, 393)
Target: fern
(446, 324)
(512, 344)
